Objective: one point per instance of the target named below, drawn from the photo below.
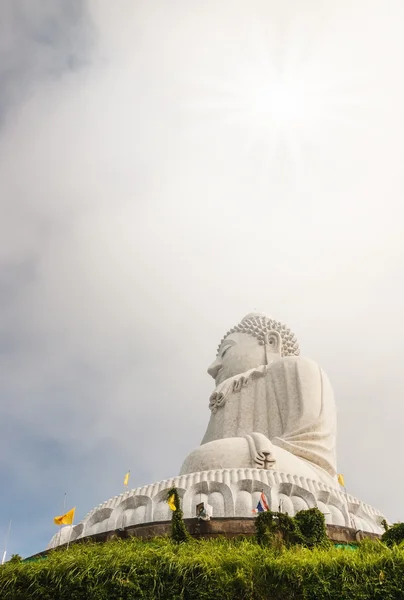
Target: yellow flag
(66, 519)
(126, 480)
(170, 502)
(341, 479)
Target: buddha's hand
(264, 460)
(260, 451)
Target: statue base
(231, 493)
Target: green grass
(207, 569)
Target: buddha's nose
(214, 368)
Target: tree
(179, 532)
(15, 558)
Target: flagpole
(64, 511)
(125, 485)
(5, 543)
(71, 531)
(123, 517)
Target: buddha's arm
(302, 394)
(252, 451)
(305, 401)
(226, 453)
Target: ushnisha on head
(257, 340)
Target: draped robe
(290, 401)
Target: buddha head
(257, 340)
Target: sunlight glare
(282, 101)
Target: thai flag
(262, 505)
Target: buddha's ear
(274, 341)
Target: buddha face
(240, 352)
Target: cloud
(148, 203)
(39, 40)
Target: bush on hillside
(307, 528)
(179, 532)
(394, 535)
(205, 570)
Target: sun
(279, 102)
(278, 105)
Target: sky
(165, 169)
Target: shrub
(270, 525)
(394, 535)
(307, 528)
(205, 570)
(311, 524)
(179, 532)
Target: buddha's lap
(226, 453)
(234, 452)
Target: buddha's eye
(225, 350)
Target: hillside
(207, 569)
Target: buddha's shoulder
(296, 363)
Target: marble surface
(269, 406)
(272, 428)
(230, 493)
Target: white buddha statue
(271, 409)
(272, 428)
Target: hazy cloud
(157, 182)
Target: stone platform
(232, 494)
